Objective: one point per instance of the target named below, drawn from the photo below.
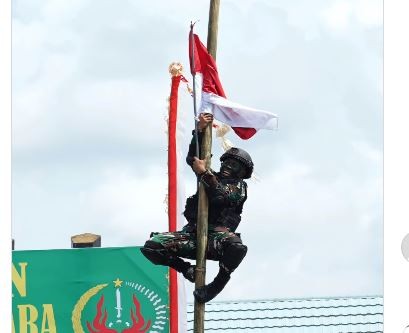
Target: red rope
(172, 197)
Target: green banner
(89, 290)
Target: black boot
(208, 292)
(163, 257)
(189, 273)
(183, 267)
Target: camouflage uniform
(226, 198)
(183, 243)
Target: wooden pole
(199, 309)
(213, 27)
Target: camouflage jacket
(226, 197)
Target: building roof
(313, 315)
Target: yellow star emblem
(118, 283)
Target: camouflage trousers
(183, 243)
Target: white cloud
(127, 206)
(365, 150)
(368, 12)
(341, 14)
(338, 15)
(294, 263)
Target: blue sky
(90, 84)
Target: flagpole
(202, 223)
(194, 91)
(213, 27)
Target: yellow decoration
(175, 69)
(118, 283)
(76, 313)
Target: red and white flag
(211, 98)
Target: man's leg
(231, 253)
(165, 248)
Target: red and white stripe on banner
(175, 204)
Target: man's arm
(216, 192)
(204, 120)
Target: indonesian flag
(176, 199)
(244, 120)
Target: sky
(90, 87)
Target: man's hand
(199, 166)
(204, 119)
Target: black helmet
(242, 156)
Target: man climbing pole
(227, 192)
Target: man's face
(232, 168)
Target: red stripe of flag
(205, 64)
(202, 62)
